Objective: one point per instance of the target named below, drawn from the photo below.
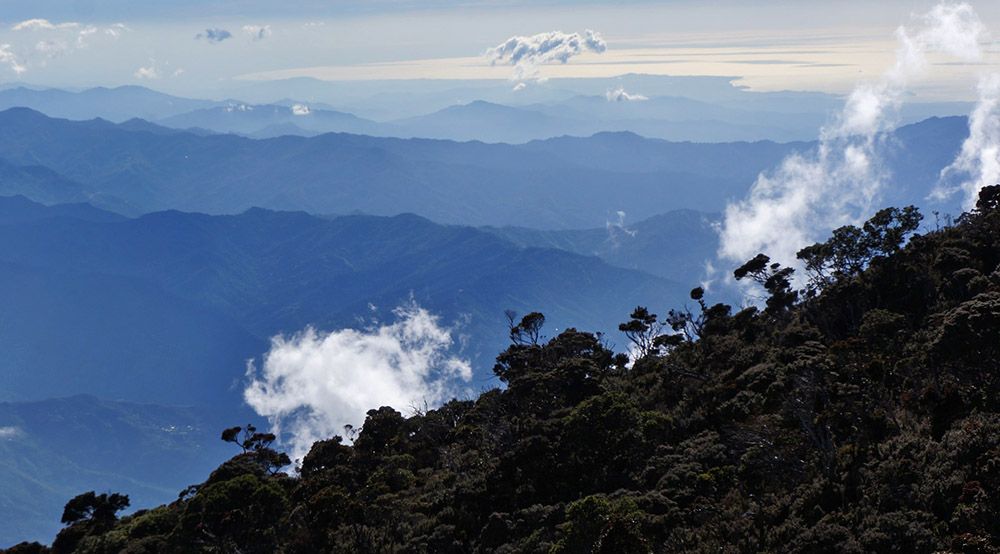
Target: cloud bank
(526, 54)
(214, 35)
(312, 384)
(810, 194)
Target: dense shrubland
(857, 413)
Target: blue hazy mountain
(675, 245)
(541, 185)
(271, 120)
(114, 104)
(556, 183)
(169, 306)
(54, 449)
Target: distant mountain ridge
(541, 186)
(57, 447)
(169, 306)
(560, 183)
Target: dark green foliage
(862, 418)
(852, 249)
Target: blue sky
(189, 46)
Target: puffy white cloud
(810, 194)
(978, 162)
(620, 95)
(257, 32)
(147, 71)
(312, 384)
(300, 109)
(526, 54)
(214, 35)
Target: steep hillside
(860, 414)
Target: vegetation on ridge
(861, 414)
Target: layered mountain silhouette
(557, 183)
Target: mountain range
(673, 109)
(169, 306)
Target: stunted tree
(776, 280)
(641, 330)
(528, 330)
(851, 249)
(258, 445)
(98, 508)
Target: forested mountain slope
(858, 414)
(169, 306)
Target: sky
(207, 47)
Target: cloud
(8, 433)
(300, 109)
(116, 30)
(43, 24)
(617, 229)
(619, 95)
(148, 71)
(56, 39)
(257, 32)
(214, 35)
(312, 384)
(809, 194)
(8, 58)
(978, 162)
(526, 54)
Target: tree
(776, 280)
(851, 249)
(528, 331)
(257, 444)
(642, 330)
(89, 506)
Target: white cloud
(257, 32)
(214, 35)
(9, 432)
(978, 162)
(8, 58)
(810, 194)
(312, 384)
(618, 229)
(56, 39)
(43, 24)
(526, 54)
(301, 109)
(619, 95)
(116, 30)
(147, 71)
